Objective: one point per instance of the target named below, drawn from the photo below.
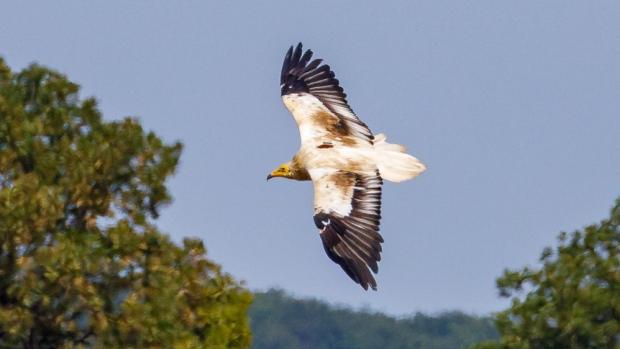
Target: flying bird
(345, 162)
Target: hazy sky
(513, 105)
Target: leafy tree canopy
(573, 300)
(81, 264)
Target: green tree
(573, 300)
(81, 263)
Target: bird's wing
(347, 210)
(319, 105)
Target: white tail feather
(394, 164)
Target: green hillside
(281, 322)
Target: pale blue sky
(513, 105)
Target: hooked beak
(269, 177)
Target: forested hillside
(280, 321)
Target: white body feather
(393, 162)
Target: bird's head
(283, 170)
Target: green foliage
(81, 264)
(573, 301)
(279, 321)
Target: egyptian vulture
(345, 163)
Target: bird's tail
(394, 164)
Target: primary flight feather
(344, 161)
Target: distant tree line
(281, 322)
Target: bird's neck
(299, 172)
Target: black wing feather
(300, 75)
(354, 241)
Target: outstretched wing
(319, 105)
(347, 210)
